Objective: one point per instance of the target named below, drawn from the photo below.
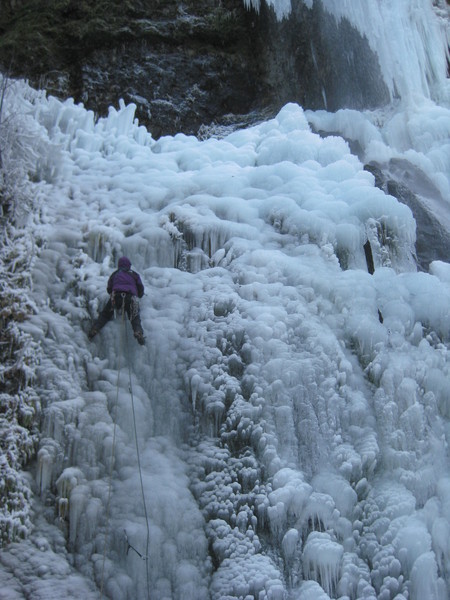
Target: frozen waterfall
(284, 433)
(409, 37)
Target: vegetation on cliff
(19, 404)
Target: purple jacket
(125, 280)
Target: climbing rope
(108, 503)
(145, 557)
(140, 469)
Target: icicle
(322, 560)
(77, 503)
(282, 8)
(47, 464)
(215, 411)
(195, 383)
(290, 546)
(72, 496)
(255, 4)
(277, 519)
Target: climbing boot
(140, 337)
(92, 333)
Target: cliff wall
(187, 63)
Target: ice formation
(282, 8)
(410, 42)
(291, 444)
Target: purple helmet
(124, 263)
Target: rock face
(187, 63)
(314, 60)
(182, 63)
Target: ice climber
(124, 286)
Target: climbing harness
(145, 557)
(134, 305)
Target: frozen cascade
(293, 446)
(407, 139)
(412, 56)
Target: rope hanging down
(139, 466)
(108, 503)
(143, 557)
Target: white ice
(291, 444)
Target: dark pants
(121, 301)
